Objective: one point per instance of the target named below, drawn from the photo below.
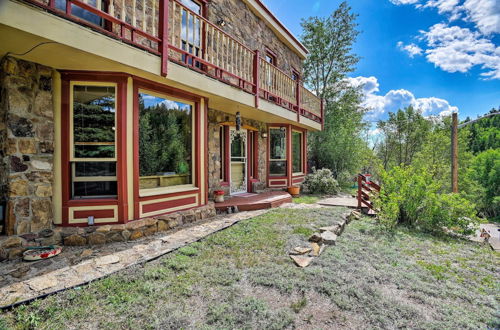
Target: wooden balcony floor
(251, 202)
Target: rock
(4, 255)
(43, 191)
(316, 237)
(136, 234)
(126, 235)
(41, 165)
(317, 249)
(334, 229)
(22, 207)
(42, 282)
(96, 239)
(107, 260)
(12, 241)
(300, 250)
(301, 261)
(18, 188)
(46, 233)
(151, 230)
(20, 271)
(20, 126)
(115, 236)
(103, 229)
(75, 240)
(328, 237)
(27, 146)
(86, 253)
(42, 214)
(162, 225)
(16, 253)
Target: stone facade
(252, 31)
(214, 158)
(27, 139)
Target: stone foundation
(12, 247)
(27, 145)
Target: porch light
(283, 129)
(238, 121)
(221, 22)
(264, 135)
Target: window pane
(165, 142)
(94, 189)
(277, 144)
(297, 152)
(86, 169)
(277, 168)
(82, 13)
(94, 121)
(192, 5)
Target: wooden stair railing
(366, 187)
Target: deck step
(261, 201)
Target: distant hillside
(485, 133)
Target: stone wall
(253, 32)
(214, 159)
(27, 140)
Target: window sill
(298, 174)
(166, 190)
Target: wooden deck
(251, 202)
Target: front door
(238, 164)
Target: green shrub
(411, 197)
(321, 182)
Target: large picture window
(277, 152)
(93, 136)
(165, 142)
(297, 152)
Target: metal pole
(454, 153)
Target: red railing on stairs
(366, 187)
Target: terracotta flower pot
(294, 191)
(219, 196)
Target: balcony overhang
(23, 27)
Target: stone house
(117, 110)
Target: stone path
(342, 200)
(55, 274)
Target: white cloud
(485, 14)
(404, 2)
(412, 49)
(456, 49)
(397, 99)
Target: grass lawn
(242, 278)
(307, 199)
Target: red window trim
(139, 83)
(121, 166)
(273, 55)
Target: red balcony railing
(187, 38)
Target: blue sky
(440, 55)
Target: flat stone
(41, 165)
(136, 234)
(300, 250)
(19, 272)
(302, 261)
(334, 229)
(107, 260)
(316, 237)
(317, 249)
(329, 237)
(42, 283)
(103, 229)
(43, 191)
(27, 146)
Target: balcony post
(256, 66)
(297, 96)
(322, 115)
(52, 4)
(163, 31)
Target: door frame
(245, 149)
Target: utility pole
(454, 153)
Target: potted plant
(218, 196)
(294, 190)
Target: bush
(321, 182)
(412, 198)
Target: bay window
(277, 152)
(165, 142)
(93, 141)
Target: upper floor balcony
(179, 32)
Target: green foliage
(305, 231)
(339, 145)
(485, 133)
(321, 182)
(164, 139)
(485, 170)
(411, 196)
(404, 134)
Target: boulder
(328, 237)
(317, 249)
(75, 240)
(300, 250)
(302, 261)
(316, 237)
